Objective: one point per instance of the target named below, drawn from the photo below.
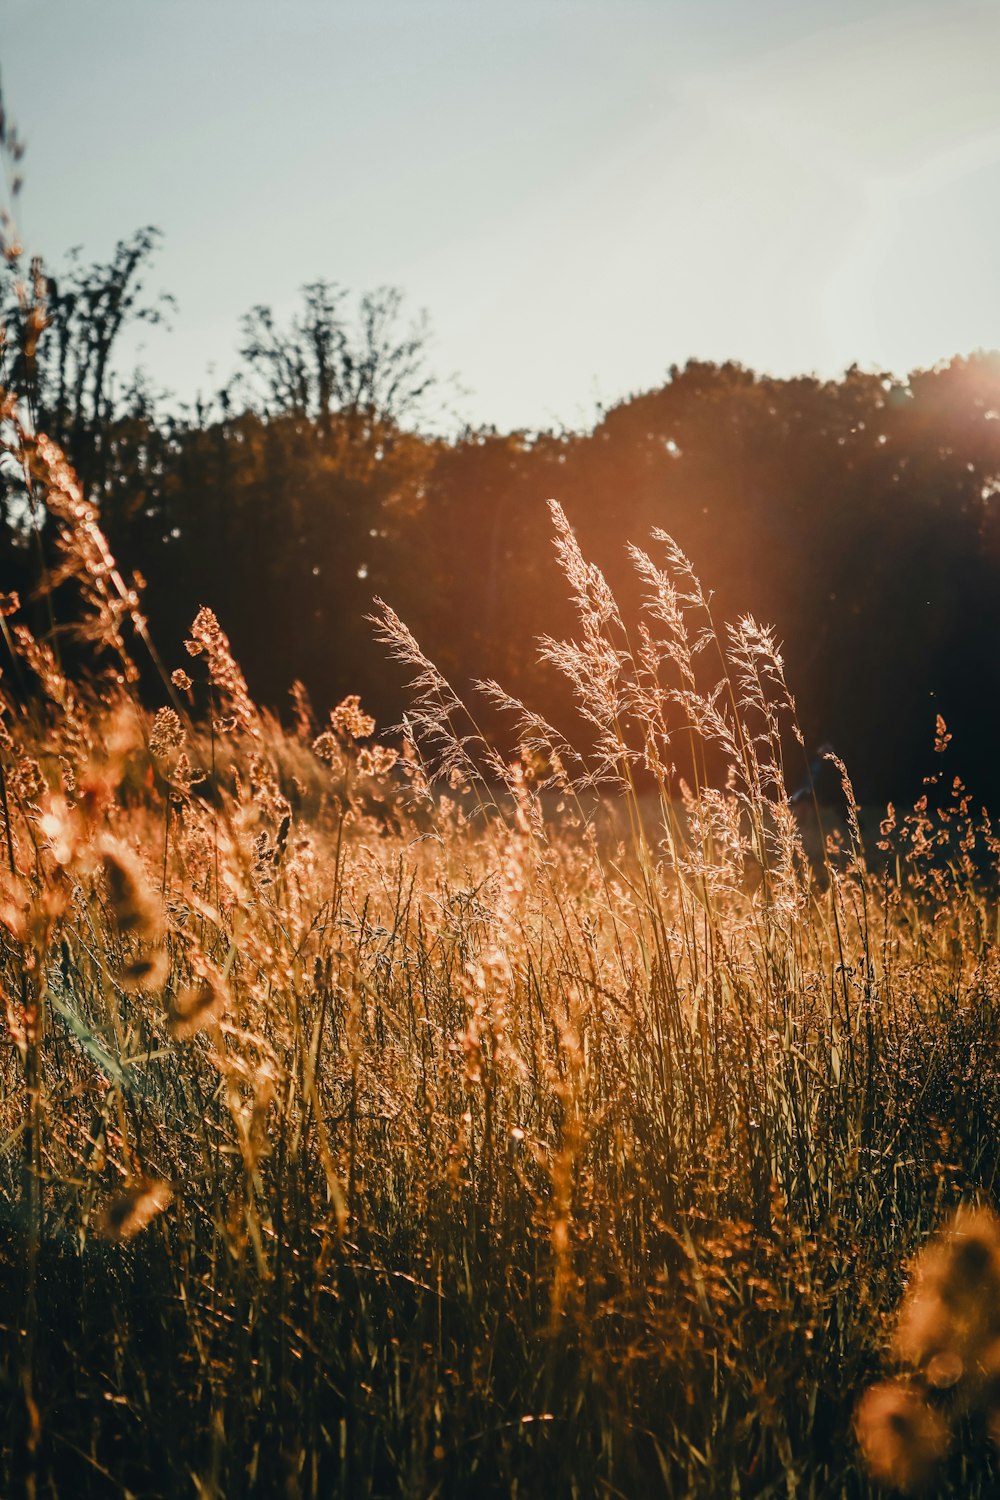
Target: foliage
(373, 374)
(843, 511)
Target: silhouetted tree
(62, 335)
(861, 515)
(371, 370)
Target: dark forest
(858, 516)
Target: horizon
(579, 202)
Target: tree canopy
(859, 516)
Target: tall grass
(406, 1127)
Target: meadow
(378, 1120)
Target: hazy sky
(579, 193)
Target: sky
(579, 192)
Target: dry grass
(361, 1136)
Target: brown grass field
(378, 1121)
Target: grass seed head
(131, 1210)
(951, 1316)
(902, 1438)
(135, 908)
(196, 1007)
(167, 734)
(147, 971)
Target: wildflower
(28, 782)
(349, 720)
(376, 760)
(167, 733)
(327, 747)
(184, 776)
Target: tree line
(859, 516)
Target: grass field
(366, 1135)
